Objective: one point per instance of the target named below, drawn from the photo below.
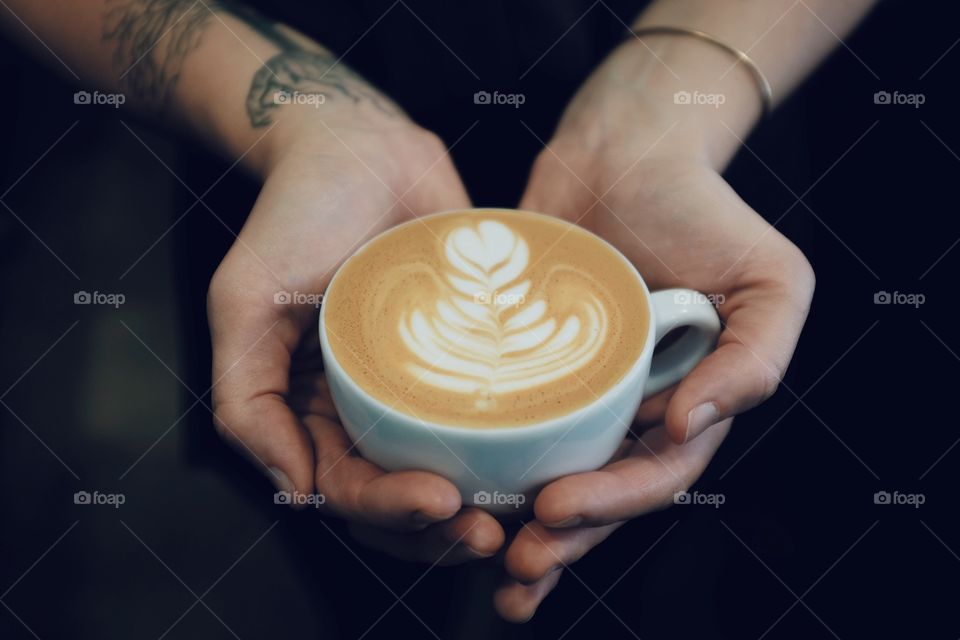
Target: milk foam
(491, 331)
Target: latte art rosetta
(486, 318)
(491, 331)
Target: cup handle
(672, 309)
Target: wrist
(666, 96)
(253, 91)
(330, 130)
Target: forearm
(786, 39)
(240, 82)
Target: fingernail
(699, 418)
(479, 554)
(572, 521)
(279, 479)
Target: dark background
(114, 400)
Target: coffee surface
(486, 318)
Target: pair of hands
(337, 182)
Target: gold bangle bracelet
(766, 93)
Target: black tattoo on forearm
(300, 70)
(153, 38)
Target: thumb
(252, 343)
(753, 352)
(266, 432)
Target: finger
(270, 436)
(252, 343)
(358, 490)
(654, 408)
(762, 328)
(642, 482)
(516, 602)
(470, 535)
(538, 550)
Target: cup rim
(494, 431)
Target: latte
(486, 318)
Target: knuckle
(768, 384)
(759, 378)
(429, 144)
(216, 287)
(783, 270)
(220, 289)
(802, 273)
(799, 276)
(222, 419)
(232, 289)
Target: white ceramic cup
(500, 469)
